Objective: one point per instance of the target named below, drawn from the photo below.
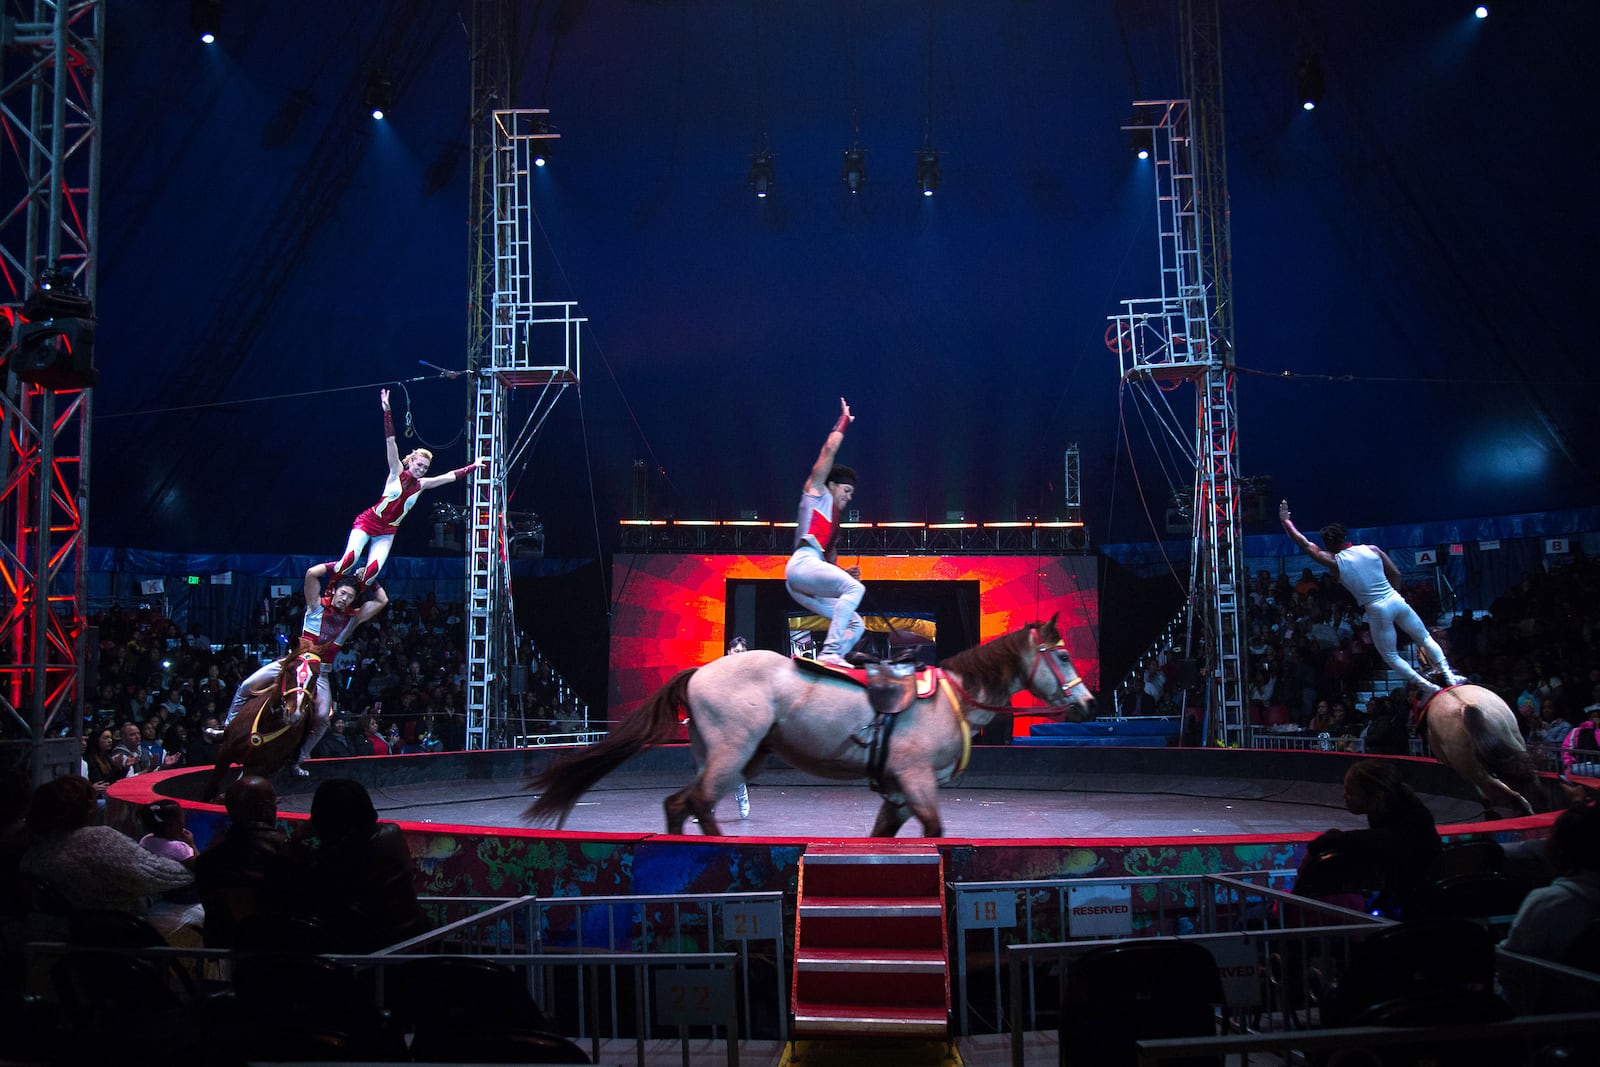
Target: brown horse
(1473, 732)
(267, 732)
(743, 707)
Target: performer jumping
(374, 528)
(1371, 577)
(812, 577)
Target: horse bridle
(302, 675)
(1044, 652)
(1047, 653)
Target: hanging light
(927, 171)
(380, 94)
(1308, 80)
(761, 173)
(205, 19)
(854, 170)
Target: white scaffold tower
(533, 345)
(1179, 337)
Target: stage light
(854, 170)
(761, 173)
(1482, 12)
(927, 171)
(205, 19)
(53, 346)
(1308, 80)
(380, 94)
(544, 141)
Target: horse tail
(566, 779)
(1502, 755)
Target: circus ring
(1018, 813)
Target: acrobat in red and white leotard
(399, 495)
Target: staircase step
(895, 960)
(820, 1018)
(873, 907)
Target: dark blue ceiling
(1410, 265)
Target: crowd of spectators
(399, 686)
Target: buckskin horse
(267, 732)
(741, 708)
(1474, 733)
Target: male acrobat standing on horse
(374, 528)
(329, 622)
(1371, 577)
(812, 576)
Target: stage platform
(1018, 813)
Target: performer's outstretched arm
(1322, 556)
(456, 475)
(830, 448)
(389, 446)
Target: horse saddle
(891, 687)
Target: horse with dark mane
(268, 730)
(1473, 732)
(741, 708)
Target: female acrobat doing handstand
(375, 527)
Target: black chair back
(1119, 994)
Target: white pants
(829, 591)
(377, 547)
(268, 674)
(1392, 611)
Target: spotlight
(205, 19)
(854, 171)
(761, 173)
(1140, 142)
(544, 141)
(927, 171)
(380, 94)
(54, 345)
(1308, 79)
(1482, 12)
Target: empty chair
(1442, 1007)
(1482, 896)
(1119, 994)
(1482, 855)
(466, 1010)
(1441, 955)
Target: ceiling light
(1308, 80)
(380, 94)
(761, 173)
(854, 170)
(205, 19)
(927, 171)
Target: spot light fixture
(380, 94)
(854, 170)
(761, 173)
(205, 19)
(927, 171)
(544, 141)
(1308, 81)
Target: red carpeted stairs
(870, 952)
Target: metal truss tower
(531, 344)
(1179, 336)
(50, 86)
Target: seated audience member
(1398, 850)
(167, 835)
(353, 872)
(1580, 750)
(243, 875)
(333, 744)
(1551, 918)
(97, 867)
(98, 766)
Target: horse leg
(891, 817)
(686, 802)
(1490, 785)
(921, 792)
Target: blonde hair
(423, 452)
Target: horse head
(296, 694)
(1049, 673)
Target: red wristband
(838, 427)
(461, 472)
(388, 423)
